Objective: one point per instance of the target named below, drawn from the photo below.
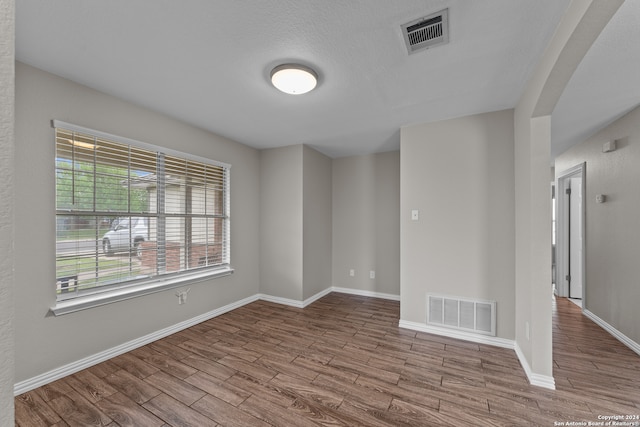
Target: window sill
(108, 297)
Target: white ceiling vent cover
(430, 31)
(477, 316)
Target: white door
(575, 238)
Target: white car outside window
(126, 234)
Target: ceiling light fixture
(294, 79)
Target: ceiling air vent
(430, 31)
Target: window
(129, 214)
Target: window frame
(127, 289)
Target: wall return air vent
(475, 316)
(427, 32)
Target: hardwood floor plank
(218, 388)
(32, 410)
(226, 414)
(169, 365)
(167, 347)
(273, 414)
(177, 414)
(405, 413)
(418, 397)
(261, 373)
(135, 366)
(323, 415)
(210, 367)
(308, 390)
(127, 413)
(89, 386)
(203, 349)
(464, 396)
(103, 369)
(282, 365)
(325, 369)
(388, 363)
(131, 386)
(237, 350)
(356, 392)
(361, 369)
(75, 410)
(268, 349)
(455, 414)
(266, 390)
(175, 387)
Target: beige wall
(43, 342)
(7, 88)
(459, 175)
(366, 222)
(281, 222)
(612, 233)
(317, 222)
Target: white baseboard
(282, 301)
(314, 298)
(534, 379)
(365, 293)
(459, 335)
(613, 331)
(71, 368)
(293, 302)
(317, 296)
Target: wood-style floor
(342, 361)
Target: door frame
(562, 232)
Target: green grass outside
(103, 263)
(110, 269)
(82, 234)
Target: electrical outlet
(372, 274)
(352, 272)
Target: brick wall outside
(197, 256)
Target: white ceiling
(207, 62)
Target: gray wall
(459, 174)
(366, 222)
(580, 26)
(295, 222)
(317, 222)
(281, 253)
(612, 232)
(43, 342)
(7, 87)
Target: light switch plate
(415, 215)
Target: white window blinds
(130, 213)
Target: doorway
(570, 277)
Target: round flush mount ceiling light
(294, 79)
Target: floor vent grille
(430, 31)
(476, 316)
